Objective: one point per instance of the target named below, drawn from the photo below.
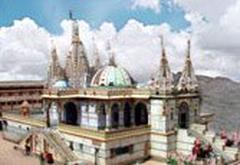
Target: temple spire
(188, 81)
(164, 61)
(78, 71)
(55, 70)
(164, 79)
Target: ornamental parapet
(97, 92)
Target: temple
(99, 115)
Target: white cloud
(23, 50)
(230, 18)
(147, 4)
(24, 47)
(215, 26)
(212, 10)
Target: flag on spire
(70, 15)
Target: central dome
(112, 76)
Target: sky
(133, 27)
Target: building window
(71, 146)
(172, 116)
(121, 150)
(195, 112)
(81, 147)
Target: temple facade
(145, 120)
(98, 114)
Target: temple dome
(112, 75)
(61, 84)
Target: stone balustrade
(98, 92)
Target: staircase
(229, 154)
(54, 139)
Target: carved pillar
(108, 118)
(133, 116)
(79, 112)
(121, 118)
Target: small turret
(188, 81)
(164, 79)
(55, 70)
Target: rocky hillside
(222, 97)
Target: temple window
(115, 115)
(141, 114)
(81, 147)
(172, 116)
(121, 150)
(195, 112)
(127, 115)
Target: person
(27, 149)
(50, 158)
(42, 159)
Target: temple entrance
(183, 115)
(71, 114)
(127, 115)
(141, 114)
(115, 116)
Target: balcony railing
(20, 98)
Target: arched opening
(115, 116)
(127, 115)
(71, 114)
(102, 116)
(141, 114)
(183, 115)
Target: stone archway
(71, 114)
(141, 114)
(115, 115)
(127, 115)
(183, 115)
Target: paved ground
(10, 156)
(153, 162)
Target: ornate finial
(189, 48)
(70, 15)
(111, 54)
(53, 45)
(162, 45)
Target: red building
(14, 93)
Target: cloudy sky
(133, 26)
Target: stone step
(200, 128)
(232, 152)
(210, 136)
(183, 136)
